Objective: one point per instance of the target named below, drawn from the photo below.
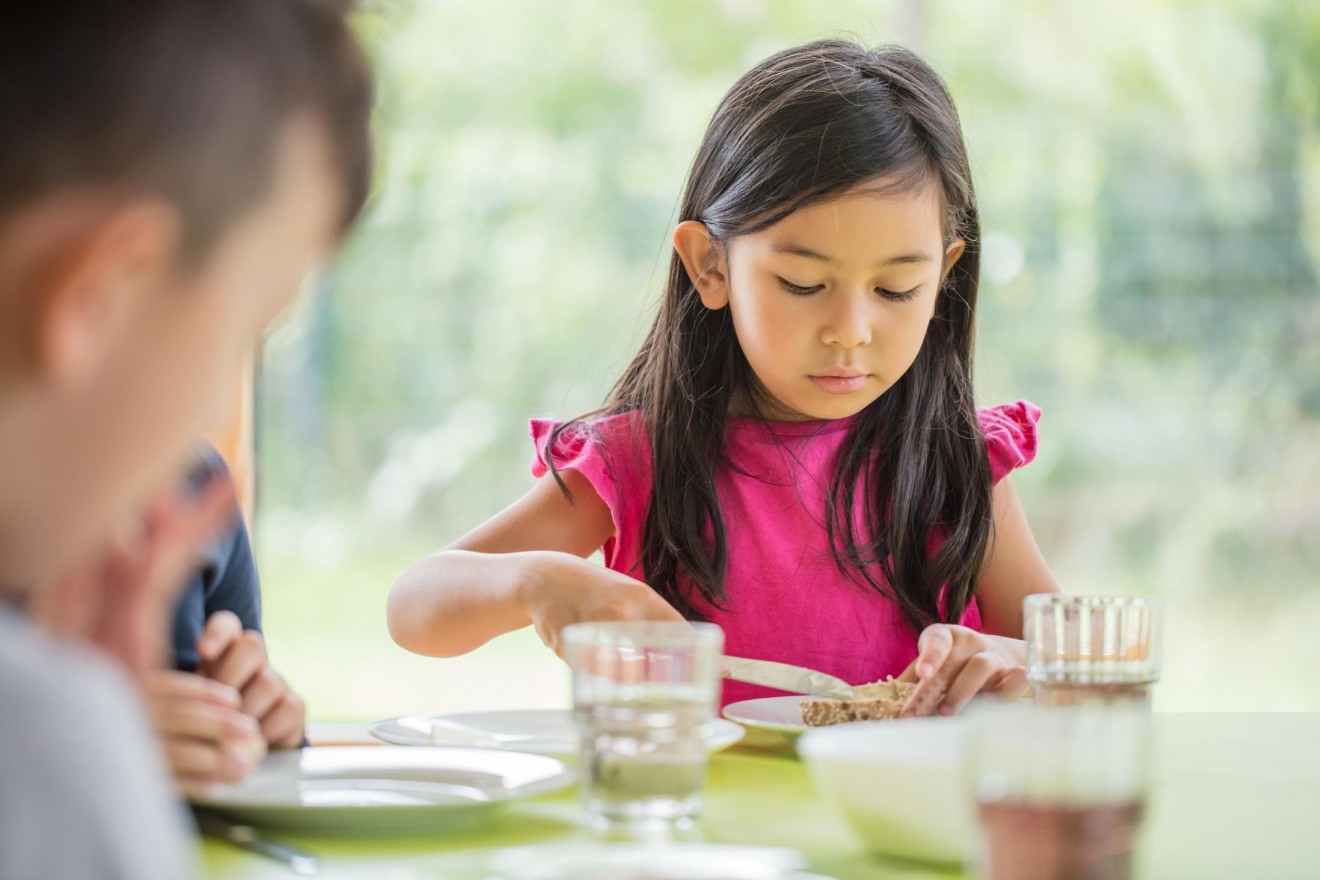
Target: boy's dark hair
(803, 126)
(185, 99)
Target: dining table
(1232, 795)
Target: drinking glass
(1092, 648)
(1060, 791)
(644, 694)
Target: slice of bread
(876, 701)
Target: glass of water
(1083, 649)
(1060, 791)
(644, 694)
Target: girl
(794, 453)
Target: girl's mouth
(839, 383)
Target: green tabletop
(1235, 796)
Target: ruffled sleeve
(1010, 436)
(613, 455)
(575, 449)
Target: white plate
(779, 714)
(540, 731)
(383, 789)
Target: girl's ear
(952, 254)
(703, 259)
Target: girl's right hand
(568, 590)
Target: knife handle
(246, 837)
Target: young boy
(169, 171)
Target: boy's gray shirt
(83, 789)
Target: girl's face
(831, 304)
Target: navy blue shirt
(227, 580)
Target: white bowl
(899, 783)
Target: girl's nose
(849, 325)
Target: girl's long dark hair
(804, 125)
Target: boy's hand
(584, 592)
(237, 658)
(121, 602)
(207, 738)
(955, 663)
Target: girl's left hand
(955, 663)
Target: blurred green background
(1149, 181)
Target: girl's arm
(1014, 567)
(955, 663)
(526, 565)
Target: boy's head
(169, 171)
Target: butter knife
(785, 677)
(246, 837)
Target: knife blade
(786, 677)
(444, 732)
(246, 837)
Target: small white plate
(383, 789)
(539, 731)
(782, 715)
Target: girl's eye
(898, 295)
(799, 291)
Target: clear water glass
(1092, 648)
(644, 695)
(1060, 791)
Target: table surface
(1234, 796)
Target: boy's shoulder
(77, 748)
(42, 677)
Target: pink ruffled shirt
(786, 598)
